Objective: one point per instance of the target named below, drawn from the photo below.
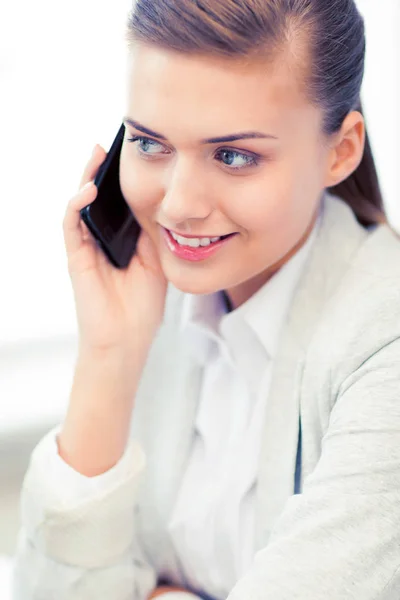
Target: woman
(234, 425)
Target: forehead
(168, 88)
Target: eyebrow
(216, 140)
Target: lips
(199, 236)
(191, 253)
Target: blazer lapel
(338, 239)
(164, 422)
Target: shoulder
(379, 256)
(371, 285)
(363, 314)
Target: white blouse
(215, 504)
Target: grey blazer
(336, 379)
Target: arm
(340, 539)
(80, 544)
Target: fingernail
(87, 185)
(94, 150)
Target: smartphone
(108, 217)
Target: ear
(347, 149)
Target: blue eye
(143, 142)
(229, 155)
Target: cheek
(262, 206)
(138, 190)
(277, 209)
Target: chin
(192, 284)
(198, 279)
(194, 288)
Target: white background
(62, 82)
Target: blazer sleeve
(80, 544)
(340, 538)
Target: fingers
(75, 232)
(96, 160)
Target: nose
(185, 196)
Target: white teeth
(194, 242)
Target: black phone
(108, 217)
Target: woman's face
(265, 190)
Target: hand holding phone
(109, 218)
(113, 305)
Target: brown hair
(332, 68)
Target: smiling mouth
(192, 249)
(200, 237)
